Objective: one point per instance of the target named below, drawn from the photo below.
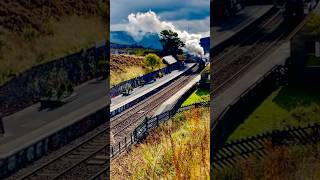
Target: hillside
(34, 32)
(125, 67)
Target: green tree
(171, 43)
(152, 61)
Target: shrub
(29, 33)
(152, 61)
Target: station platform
(31, 125)
(232, 26)
(226, 97)
(171, 102)
(120, 101)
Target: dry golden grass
(178, 149)
(125, 67)
(129, 73)
(281, 163)
(68, 35)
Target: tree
(152, 61)
(171, 43)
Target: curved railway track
(229, 65)
(120, 124)
(90, 157)
(241, 58)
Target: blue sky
(192, 15)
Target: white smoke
(142, 23)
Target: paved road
(30, 124)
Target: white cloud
(167, 9)
(141, 23)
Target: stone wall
(242, 106)
(26, 89)
(117, 89)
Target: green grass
(312, 61)
(287, 106)
(200, 95)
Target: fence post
(125, 141)
(119, 146)
(146, 121)
(111, 151)
(157, 120)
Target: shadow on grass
(292, 96)
(202, 92)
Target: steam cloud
(142, 23)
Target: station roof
(169, 59)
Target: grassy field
(178, 149)
(200, 95)
(281, 163)
(44, 36)
(125, 67)
(288, 106)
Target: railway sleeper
(98, 160)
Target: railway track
(229, 65)
(121, 123)
(90, 158)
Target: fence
(147, 124)
(242, 106)
(135, 82)
(256, 146)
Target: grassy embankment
(200, 95)
(33, 34)
(281, 163)
(288, 106)
(125, 67)
(178, 149)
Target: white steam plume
(142, 23)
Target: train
(294, 9)
(220, 9)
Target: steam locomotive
(221, 9)
(294, 9)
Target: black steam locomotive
(294, 9)
(220, 9)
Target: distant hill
(150, 40)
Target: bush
(160, 74)
(152, 61)
(29, 33)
